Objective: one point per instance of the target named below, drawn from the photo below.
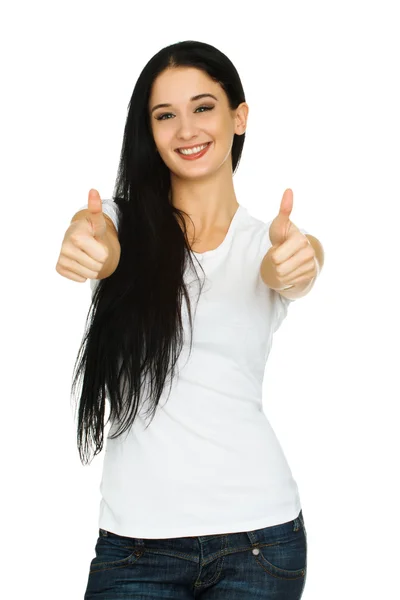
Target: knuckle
(103, 256)
(106, 253)
(272, 254)
(61, 261)
(75, 238)
(310, 251)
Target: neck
(210, 203)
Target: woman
(198, 501)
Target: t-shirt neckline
(229, 233)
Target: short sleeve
(110, 209)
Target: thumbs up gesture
(96, 218)
(84, 250)
(291, 258)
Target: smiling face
(191, 121)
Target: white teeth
(193, 150)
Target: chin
(191, 171)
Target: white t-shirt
(209, 462)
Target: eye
(206, 107)
(161, 117)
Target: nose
(187, 129)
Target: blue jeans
(268, 563)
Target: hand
(83, 251)
(291, 258)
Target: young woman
(198, 500)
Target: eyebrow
(191, 100)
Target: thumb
(280, 226)
(96, 217)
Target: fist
(291, 259)
(84, 251)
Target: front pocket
(115, 551)
(286, 559)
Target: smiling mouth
(194, 152)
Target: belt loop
(252, 535)
(298, 521)
(296, 524)
(301, 517)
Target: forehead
(180, 83)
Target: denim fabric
(268, 563)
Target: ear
(242, 112)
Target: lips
(194, 156)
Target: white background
(322, 83)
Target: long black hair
(134, 328)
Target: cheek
(214, 125)
(221, 130)
(162, 138)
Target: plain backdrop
(322, 83)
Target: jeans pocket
(113, 551)
(286, 558)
